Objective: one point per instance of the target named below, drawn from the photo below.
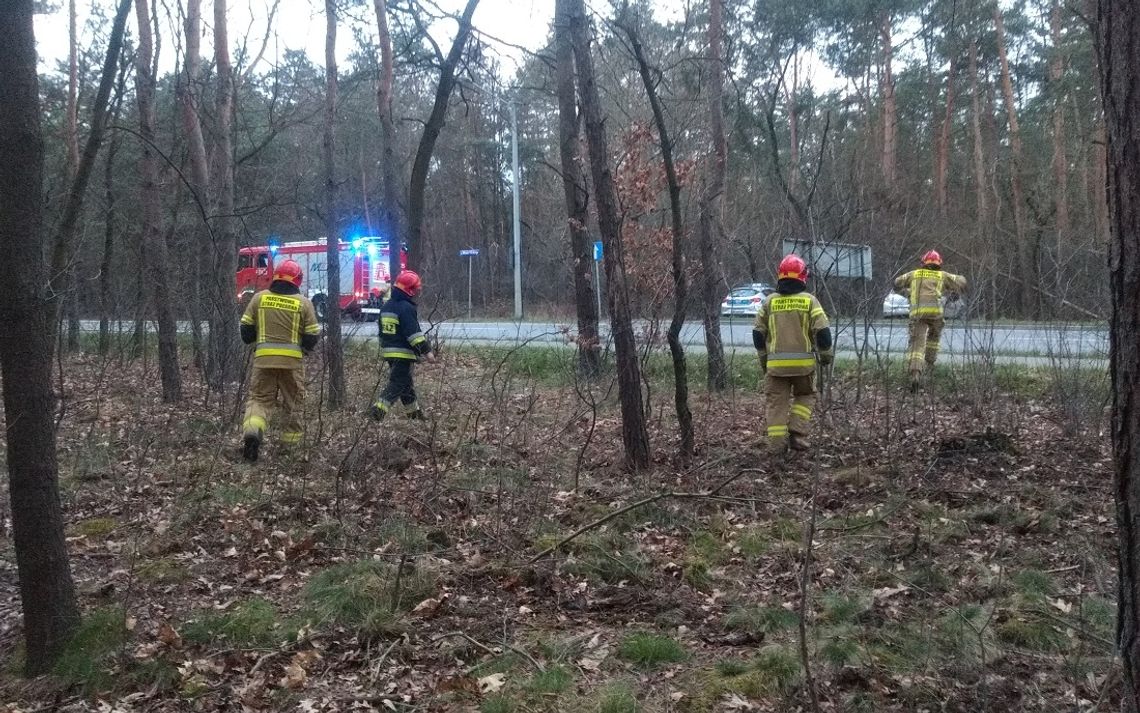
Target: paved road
(883, 337)
(960, 342)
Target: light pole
(515, 206)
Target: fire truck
(364, 278)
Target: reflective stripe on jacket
(281, 320)
(400, 334)
(925, 289)
(789, 324)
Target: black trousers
(401, 383)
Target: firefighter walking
(925, 288)
(791, 335)
(402, 344)
(282, 325)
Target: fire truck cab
(364, 276)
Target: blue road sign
(597, 249)
(471, 252)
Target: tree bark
(418, 187)
(188, 104)
(153, 241)
(635, 436)
(334, 349)
(1060, 155)
(942, 151)
(47, 593)
(110, 220)
(389, 217)
(981, 202)
(574, 187)
(709, 221)
(62, 270)
(1024, 251)
(222, 355)
(72, 140)
(680, 279)
(890, 107)
(1119, 34)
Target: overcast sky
(301, 25)
(506, 25)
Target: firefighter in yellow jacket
(282, 324)
(791, 335)
(925, 288)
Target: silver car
(895, 305)
(745, 300)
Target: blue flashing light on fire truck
(364, 277)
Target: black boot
(377, 413)
(249, 449)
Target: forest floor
(962, 556)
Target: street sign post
(470, 254)
(598, 274)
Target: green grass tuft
(87, 658)
(617, 698)
(363, 596)
(648, 650)
(760, 620)
(251, 623)
(556, 679)
(1034, 584)
(497, 704)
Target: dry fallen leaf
(492, 683)
(295, 677)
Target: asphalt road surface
(881, 337)
(961, 341)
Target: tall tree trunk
(188, 104)
(890, 106)
(334, 349)
(157, 265)
(389, 217)
(709, 223)
(62, 271)
(106, 298)
(1060, 157)
(1119, 35)
(110, 221)
(1025, 254)
(981, 202)
(222, 357)
(71, 300)
(574, 187)
(418, 187)
(635, 436)
(791, 99)
(1100, 181)
(942, 151)
(680, 279)
(47, 593)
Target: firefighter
(791, 335)
(402, 344)
(925, 288)
(282, 325)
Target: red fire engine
(364, 278)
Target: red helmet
(792, 267)
(289, 271)
(409, 282)
(932, 258)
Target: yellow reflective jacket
(789, 324)
(280, 322)
(925, 287)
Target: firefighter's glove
(826, 357)
(763, 362)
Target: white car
(745, 300)
(895, 305)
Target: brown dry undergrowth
(962, 556)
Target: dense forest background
(964, 125)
